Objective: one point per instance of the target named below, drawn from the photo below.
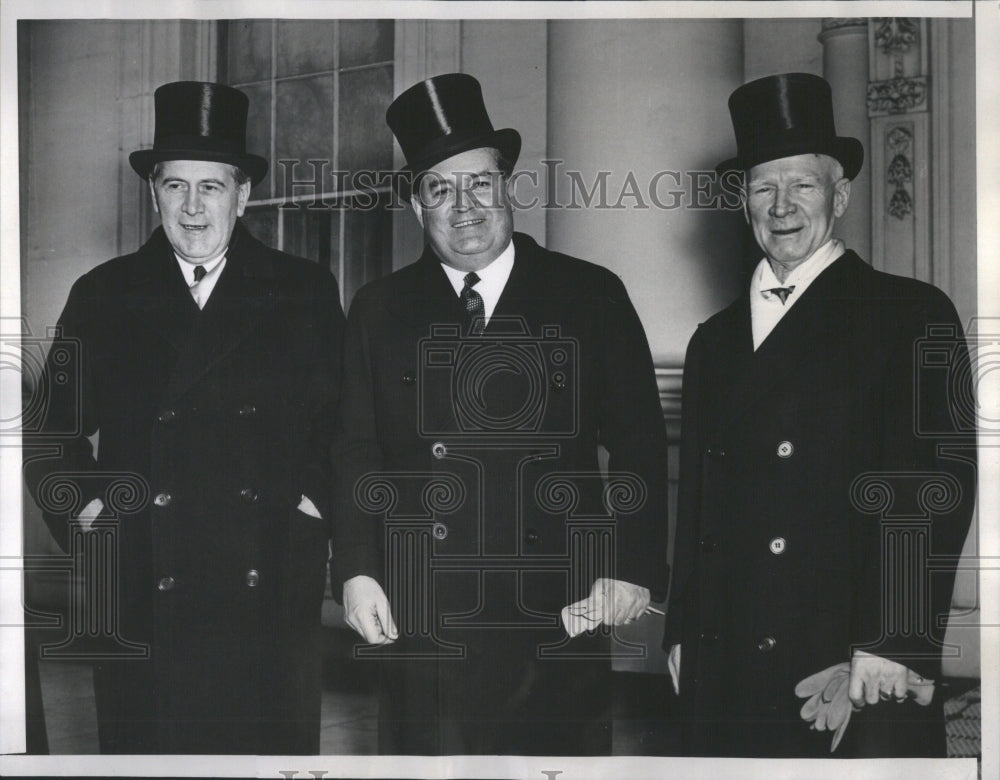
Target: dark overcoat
(469, 486)
(219, 419)
(826, 489)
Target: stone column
(845, 66)
(638, 118)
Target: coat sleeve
(323, 378)
(633, 431)
(356, 452)
(59, 466)
(689, 496)
(925, 463)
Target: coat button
(440, 531)
(165, 583)
(248, 410)
(785, 449)
(559, 381)
(531, 536)
(167, 415)
(162, 499)
(715, 453)
(253, 577)
(766, 645)
(438, 450)
(777, 545)
(409, 377)
(709, 637)
(249, 495)
(708, 543)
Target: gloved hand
(674, 667)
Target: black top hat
(443, 116)
(200, 121)
(785, 115)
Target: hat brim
(849, 152)
(252, 165)
(507, 141)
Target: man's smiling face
(792, 204)
(198, 203)
(464, 206)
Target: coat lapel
(810, 326)
(242, 297)
(527, 294)
(156, 294)
(430, 300)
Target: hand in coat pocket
(307, 507)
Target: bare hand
(366, 610)
(875, 679)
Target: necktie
(473, 303)
(781, 292)
(199, 273)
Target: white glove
(366, 610)
(89, 513)
(674, 666)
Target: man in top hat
(208, 366)
(826, 482)
(479, 382)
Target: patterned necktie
(781, 292)
(473, 303)
(199, 273)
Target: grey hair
(836, 170)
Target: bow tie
(781, 292)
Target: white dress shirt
(201, 291)
(767, 309)
(492, 279)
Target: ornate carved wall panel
(899, 106)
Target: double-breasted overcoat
(212, 424)
(469, 485)
(826, 488)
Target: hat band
(784, 145)
(445, 146)
(200, 143)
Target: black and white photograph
(528, 390)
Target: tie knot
(199, 273)
(471, 279)
(781, 292)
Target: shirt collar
(801, 276)
(187, 268)
(493, 275)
